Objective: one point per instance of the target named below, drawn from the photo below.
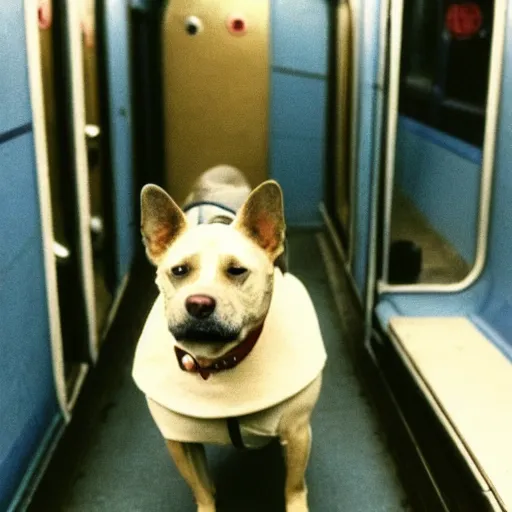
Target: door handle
(92, 131)
(92, 141)
(61, 252)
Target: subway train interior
(385, 122)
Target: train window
(439, 77)
(444, 65)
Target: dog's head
(216, 279)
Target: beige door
(97, 175)
(71, 306)
(216, 88)
(342, 181)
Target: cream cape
(256, 429)
(288, 356)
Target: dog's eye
(180, 270)
(236, 271)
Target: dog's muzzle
(208, 330)
(202, 325)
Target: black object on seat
(405, 261)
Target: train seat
(468, 382)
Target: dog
(231, 352)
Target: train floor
(441, 264)
(112, 457)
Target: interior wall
(367, 20)
(441, 176)
(27, 396)
(299, 82)
(120, 118)
(497, 310)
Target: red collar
(229, 360)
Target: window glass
(445, 64)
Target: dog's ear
(161, 221)
(261, 218)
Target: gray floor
(126, 467)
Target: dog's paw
(298, 502)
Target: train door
(344, 98)
(98, 169)
(216, 103)
(74, 328)
(73, 183)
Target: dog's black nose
(200, 306)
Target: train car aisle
(113, 459)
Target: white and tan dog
(231, 352)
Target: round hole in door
(193, 25)
(237, 25)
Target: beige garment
(288, 356)
(256, 429)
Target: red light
(464, 20)
(237, 25)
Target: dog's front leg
(296, 442)
(190, 459)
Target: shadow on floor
(112, 457)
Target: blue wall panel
(300, 34)
(27, 395)
(298, 105)
(498, 308)
(297, 165)
(18, 197)
(464, 303)
(28, 405)
(297, 144)
(14, 95)
(442, 184)
(118, 55)
(368, 46)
